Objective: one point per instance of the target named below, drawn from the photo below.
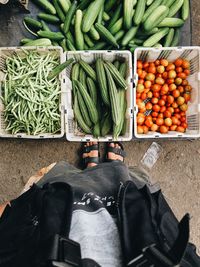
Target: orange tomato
(156, 87)
(146, 90)
(176, 93)
(180, 129)
(138, 95)
(165, 75)
(139, 64)
(179, 69)
(147, 84)
(178, 81)
(149, 94)
(148, 106)
(140, 88)
(187, 72)
(156, 94)
(170, 81)
(149, 123)
(154, 119)
(170, 66)
(187, 97)
(160, 69)
(188, 88)
(182, 75)
(156, 108)
(167, 114)
(154, 114)
(184, 125)
(139, 72)
(143, 96)
(177, 110)
(163, 129)
(142, 110)
(181, 89)
(180, 100)
(141, 81)
(160, 115)
(164, 97)
(178, 62)
(143, 74)
(154, 100)
(150, 77)
(171, 74)
(175, 105)
(174, 120)
(184, 107)
(168, 122)
(158, 75)
(152, 69)
(145, 64)
(182, 113)
(140, 129)
(170, 99)
(141, 115)
(185, 64)
(171, 109)
(163, 109)
(173, 128)
(183, 119)
(185, 82)
(164, 62)
(154, 128)
(149, 117)
(172, 87)
(157, 62)
(145, 129)
(159, 121)
(140, 120)
(178, 116)
(160, 81)
(161, 102)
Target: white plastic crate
(193, 114)
(8, 51)
(73, 133)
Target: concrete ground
(177, 170)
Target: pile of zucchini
(99, 97)
(111, 24)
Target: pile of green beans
(31, 101)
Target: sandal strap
(91, 160)
(88, 149)
(117, 151)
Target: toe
(112, 145)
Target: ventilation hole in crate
(194, 65)
(186, 53)
(143, 55)
(164, 54)
(193, 122)
(71, 126)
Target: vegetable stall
(106, 95)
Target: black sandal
(88, 160)
(118, 151)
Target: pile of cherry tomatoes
(162, 96)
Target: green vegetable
(94, 33)
(105, 34)
(78, 33)
(55, 72)
(38, 42)
(151, 8)
(88, 69)
(169, 38)
(65, 5)
(83, 110)
(59, 11)
(139, 12)
(129, 36)
(185, 9)
(117, 26)
(69, 16)
(151, 41)
(175, 7)
(75, 71)
(30, 22)
(48, 18)
(128, 7)
(116, 75)
(56, 36)
(92, 90)
(171, 22)
(115, 16)
(46, 5)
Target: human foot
(115, 152)
(91, 154)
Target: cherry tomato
(154, 114)
(164, 97)
(149, 94)
(184, 107)
(140, 120)
(180, 100)
(170, 99)
(180, 129)
(160, 115)
(139, 64)
(168, 122)
(160, 81)
(174, 120)
(170, 81)
(178, 81)
(185, 82)
(185, 64)
(179, 69)
(154, 128)
(147, 84)
(143, 96)
(140, 88)
(156, 108)
(178, 116)
(163, 109)
(156, 87)
(140, 129)
(170, 66)
(141, 115)
(177, 110)
(148, 106)
(164, 90)
(156, 94)
(188, 88)
(171, 109)
(175, 105)
(178, 62)
(149, 117)
(154, 100)
(182, 75)
(146, 90)
(138, 95)
(165, 75)
(183, 119)
(142, 110)
(167, 114)
(187, 72)
(145, 64)
(172, 87)
(183, 113)
(157, 62)
(141, 81)
(152, 69)
(173, 128)
(143, 74)
(160, 69)
(187, 97)
(158, 75)
(159, 121)
(161, 102)
(140, 104)
(145, 129)
(148, 123)
(176, 93)
(163, 129)
(164, 62)
(184, 125)
(181, 89)
(172, 74)
(150, 77)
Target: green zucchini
(175, 7)
(46, 5)
(176, 38)
(57, 70)
(59, 11)
(48, 18)
(94, 33)
(30, 22)
(115, 16)
(117, 26)
(69, 16)
(78, 33)
(139, 11)
(119, 35)
(128, 8)
(106, 35)
(169, 38)
(151, 8)
(65, 5)
(155, 38)
(55, 36)
(185, 9)
(129, 36)
(171, 22)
